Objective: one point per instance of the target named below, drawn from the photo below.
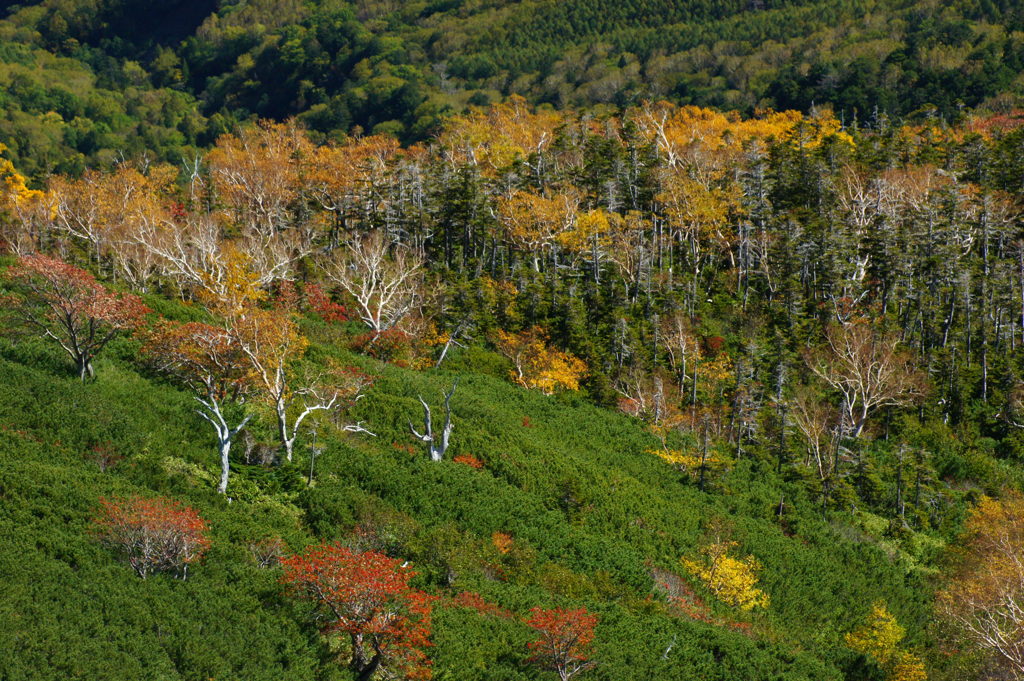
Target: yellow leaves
(501, 135)
(982, 597)
(234, 287)
(677, 457)
(907, 667)
(536, 364)
(15, 191)
(879, 639)
(732, 580)
(879, 636)
(691, 135)
(533, 222)
(580, 237)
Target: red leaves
(67, 304)
(565, 638)
(156, 535)
(469, 460)
(369, 598)
(322, 304)
(70, 291)
(474, 601)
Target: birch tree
(207, 360)
(382, 278)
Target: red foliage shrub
(713, 345)
(393, 345)
(367, 597)
(320, 302)
(474, 601)
(565, 638)
(104, 456)
(469, 460)
(156, 535)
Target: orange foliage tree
(155, 535)
(271, 343)
(984, 598)
(367, 597)
(564, 642)
(206, 359)
(67, 304)
(538, 365)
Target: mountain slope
(589, 513)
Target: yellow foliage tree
(732, 580)
(18, 202)
(234, 286)
(496, 138)
(879, 639)
(15, 188)
(537, 364)
(984, 595)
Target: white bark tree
(437, 443)
(867, 368)
(382, 277)
(207, 360)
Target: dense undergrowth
(591, 516)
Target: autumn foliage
(564, 640)
(984, 597)
(155, 535)
(879, 638)
(66, 304)
(733, 580)
(367, 597)
(536, 364)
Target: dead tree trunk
(437, 444)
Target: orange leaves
(537, 364)
(336, 176)
(203, 356)
(367, 596)
(256, 173)
(983, 597)
(156, 535)
(469, 460)
(502, 542)
(564, 640)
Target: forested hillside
(86, 80)
(511, 340)
(707, 395)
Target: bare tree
(865, 365)
(816, 422)
(437, 443)
(382, 277)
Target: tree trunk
(288, 442)
(83, 365)
(225, 461)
